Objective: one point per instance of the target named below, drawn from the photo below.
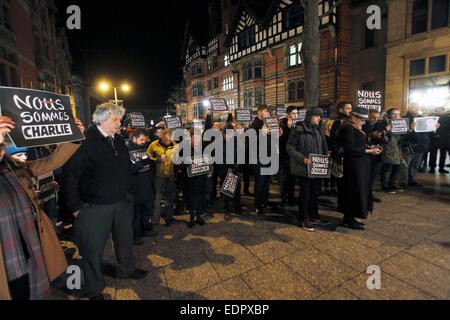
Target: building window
(439, 14)
(436, 64)
(215, 62)
(197, 89)
(417, 67)
(230, 104)
(226, 60)
(419, 16)
(252, 69)
(253, 97)
(248, 98)
(216, 82)
(6, 18)
(192, 49)
(209, 65)
(293, 16)
(195, 109)
(197, 68)
(258, 96)
(369, 39)
(209, 85)
(227, 83)
(246, 38)
(294, 59)
(296, 90)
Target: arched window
(292, 91)
(296, 90)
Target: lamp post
(104, 86)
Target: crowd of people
(96, 186)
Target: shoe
(375, 199)
(136, 275)
(400, 188)
(227, 217)
(150, 233)
(138, 242)
(432, 170)
(388, 190)
(306, 225)
(314, 220)
(200, 221)
(191, 224)
(352, 225)
(443, 171)
(97, 297)
(358, 223)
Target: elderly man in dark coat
(357, 162)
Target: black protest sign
(199, 166)
(272, 123)
(136, 120)
(301, 114)
(138, 156)
(230, 184)
(281, 112)
(295, 121)
(319, 166)
(172, 122)
(371, 100)
(218, 105)
(243, 115)
(41, 118)
(400, 126)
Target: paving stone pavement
(407, 236)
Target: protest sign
(41, 118)
(139, 155)
(281, 112)
(272, 123)
(243, 115)
(295, 121)
(301, 114)
(426, 124)
(400, 126)
(172, 122)
(319, 166)
(230, 184)
(218, 105)
(371, 100)
(200, 166)
(136, 120)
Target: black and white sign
(301, 114)
(139, 155)
(426, 124)
(400, 126)
(369, 100)
(295, 121)
(218, 105)
(136, 120)
(319, 166)
(41, 118)
(281, 112)
(172, 122)
(272, 123)
(229, 186)
(243, 115)
(199, 166)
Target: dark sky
(135, 41)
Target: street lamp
(104, 86)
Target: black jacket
(284, 138)
(97, 174)
(257, 125)
(143, 178)
(336, 146)
(422, 139)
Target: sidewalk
(408, 237)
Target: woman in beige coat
(31, 257)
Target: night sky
(135, 41)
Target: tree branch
(337, 3)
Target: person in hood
(307, 138)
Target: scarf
(349, 122)
(19, 237)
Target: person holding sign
(95, 183)
(142, 186)
(307, 138)
(357, 163)
(30, 253)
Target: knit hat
(13, 150)
(314, 112)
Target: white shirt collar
(103, 132)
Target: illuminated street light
(104, 86)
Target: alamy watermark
(374, 281)
(374, 20)
(74, 20)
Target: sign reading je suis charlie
(41, 118)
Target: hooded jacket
(304, 140)
(156, 149)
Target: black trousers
(442, 157)
(287, 182)
(19, 289)
(340, 194)
(246, 174)
(91, 230)
(262, 186)
(142, 215)
(375, 167)
(307, 201)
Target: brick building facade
(251, 56)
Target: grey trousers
(410, 172)
(163, 187)
(91, 230)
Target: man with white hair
(95, 183)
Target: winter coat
(55, 260)
(156, 149)
(303, 141)
(422, 139)
(142, 187)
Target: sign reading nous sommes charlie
(172, 122)
(41, 118)
(230, 184)
(136, 119)
(199, 166)
(399, 126)
(218, 105)
(319, 166)
(371, 100)
(243, 115)
(138, 156)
